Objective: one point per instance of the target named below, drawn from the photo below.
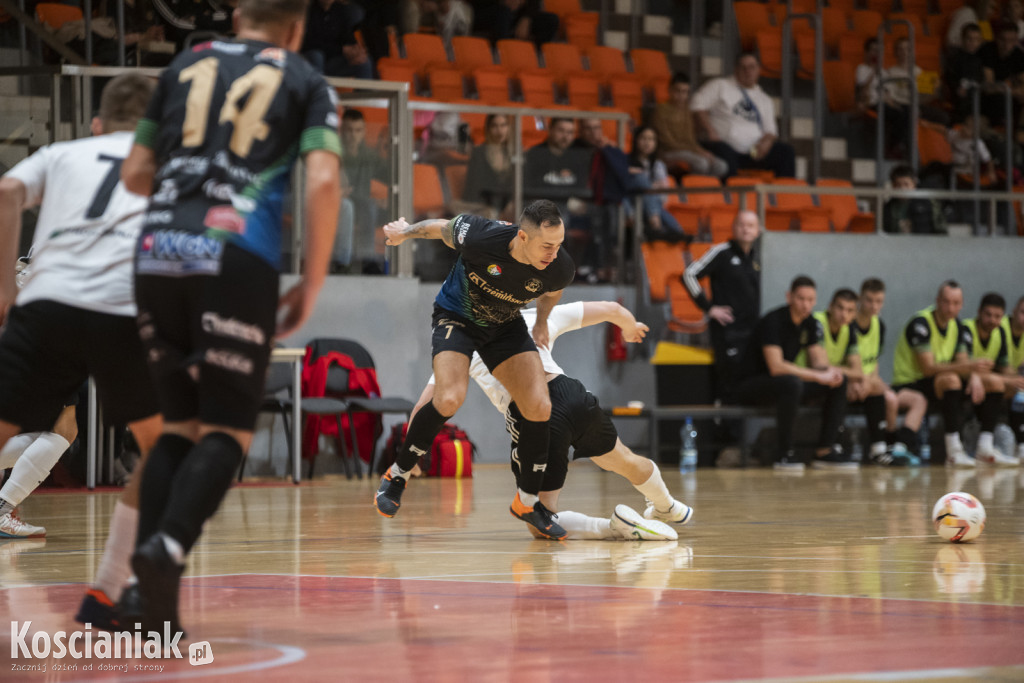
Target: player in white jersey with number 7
(578, 421)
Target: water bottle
(688, 451)
(1017, 404)
(926, 446)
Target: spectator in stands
(1013, 13)
(330, 44)
(895, 446)
(964, 148)
(735, 277)
(737, 118)
(557, 171)
(447, 18)
(964, 68)
(768, 373)
(380, 21)
(520, 19)
(871, 96)
(1013, 325)
(902, 79)
(989, 341)
(933, 357)
(1002, 62)
(677, 140)
(917, 216)
(648, 172)
(973, 12)
(105, 49)
(360, 165)
(490, 176)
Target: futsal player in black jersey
(501, 268)
(214, 151)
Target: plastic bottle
(1017, 405)
(926, 446)
(688, 450)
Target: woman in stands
(490, 176)
(648, 171)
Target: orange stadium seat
(426, 52)
(750, 18)
(628, 96)
(840, 86)
(844, 207)
(584, 92)
(446, 84)
(491, 86)
(866, 23)
(455, 176)
(607, 63)
(654, 71)
(663, 262)
(562, 60)
(55, 14)
(835, 24)
(473, 53)
(769, 50)
(538, 89)
(428, 195)
(518, 56)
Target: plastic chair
(446, 85)
(654, 71)
(426, 52)
(518, 56)
(277, 400)
(851, 49)
(693, 210)
(932, 144)
(538, 89)
(843, 207)
(428, 195)
(55, 14)
(562, 60)
(750, 18)
(900, 30)
(628, 96)
(562, 8)
(883, 7)
(835, 24)
(473, 53)
(749, 198)
(840, 86)
(937, 25)
(584, 92)
(929, 53)
(866, 23)
(769, 50)
(581, 29)
(663, 262)
(607, 63)
(391, 69)
(492, 86)
(804, 41)
(455, 177)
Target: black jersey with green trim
(486, 286)
(226, 123)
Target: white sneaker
(628, 524)
(679, 513)
(992, 456)
(958, 458)
(12, 527)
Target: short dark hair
(124, 101)
(541, 213)
(680, 77)
(1019, 302)
(992, 299)
(272, 11)
(872, 285)
(353, 115)
(844, 294)
(743, 55)
(555, 120)
(901, 171)
(1004, 27)
(801, 281)
(952, 284)
(967, 28)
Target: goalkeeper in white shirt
(578, 421)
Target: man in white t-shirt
(577, 420)
(737, 119)
(74, 317)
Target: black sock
(953, 410)
(988, 411)
(425, 425)
(164, 460)
(909, 438)
(1017, 425)
(199, 486)
(890, 437)
(874, 413)
(533, 454)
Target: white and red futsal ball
(958, 517)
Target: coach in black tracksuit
(736, 295)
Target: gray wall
(391, 317)
(911, 266)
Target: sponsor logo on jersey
(178, 252)
(462, 226)
(921, 329)
(494, 269)
(229, 327)
(230, 48)
(272, 54)
(735, 260)
(224, 218)
(533, 285)
(494, 292)
(229, 360)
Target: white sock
(397, 471)
(986, 441)
(527, 499)
(34, 465)
(654, 490)
(1020, 450)
(14, 447)
(583, 527)
(115, 568)
(174, 548)
(878, 448)
(953, 442)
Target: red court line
(402, 629)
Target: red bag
(451, 454)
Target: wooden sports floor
(820, 577)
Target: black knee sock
(953, 410)
(533, 454)
(909, 438)
(988, 411)
(199, 486)
(163, 462)
(425, 425)
(874, 413)
(1017, 425)
(890, 437)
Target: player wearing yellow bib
(1013, 325)
(933, 357)
(989, 342)
(902, 444)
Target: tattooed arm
(430, 229)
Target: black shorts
(494, 344)
(48, 349)
(925, 385)
(221, 325)
(577, 421)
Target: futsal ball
(958, 517)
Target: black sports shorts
(209, 338)
(495, 344)
(48, 349)
(925, 385)
(576, 420)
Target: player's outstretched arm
(138, 170)
(595, 312)
(545, 302)
(323, 198)
(430, 229)
(12, 203)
